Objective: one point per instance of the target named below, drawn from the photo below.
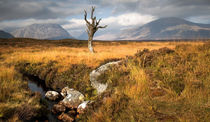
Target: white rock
(100, 87)
(52, 95)
(72, 98)
(66, 90)
(83, 106)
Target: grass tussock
(15, 96)
(159, 85)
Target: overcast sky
(117, 14)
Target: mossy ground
(148, 86)
(16, 101)
(157, 85)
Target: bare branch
(85, 17)
(97, 22)
(94, 21)
(88, 25)
(92, 11)
(102, 26)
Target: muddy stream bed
(35, 85)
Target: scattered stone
(82, 107)
(72, 113)
(65, 91)
(58, 108)
(72, 97)
(52, 95)
(100, 87)
(65, 118)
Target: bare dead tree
(92, 27)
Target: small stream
(35, 86)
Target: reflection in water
(35, 86)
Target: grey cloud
(160, 8)
(20, 9)
(39, 9)
(45, 9)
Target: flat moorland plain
(166, 84)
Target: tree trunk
(90, 44)
(92, 27)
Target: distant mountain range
(164, 28)
(167, 28)
(5, 35)
(42, 31)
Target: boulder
(65, 91)
(95, 74)
(72, 97)
(65, 118)
(58, 108)
(52, 95)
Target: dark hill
(5, 35)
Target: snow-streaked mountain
(5, 35)
(167, 28)
(42, 31)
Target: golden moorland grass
(66, 55)
(159, 85)
(55, 60)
